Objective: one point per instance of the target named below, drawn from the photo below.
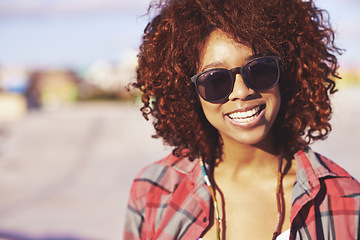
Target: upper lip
(245, 109)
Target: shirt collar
(183, 164)
(309, 169)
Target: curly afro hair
(295, 30)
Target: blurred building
(111, 79)
(350, 77)
(34, 89)
(13, 83)
(52, 88)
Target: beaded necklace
(279, 199)
(212, 191)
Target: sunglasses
(259, 74)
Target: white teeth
(248, 115)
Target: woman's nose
(240, 90)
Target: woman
(240, 88)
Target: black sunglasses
(259, 74)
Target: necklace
(279, 199)
(212, 192)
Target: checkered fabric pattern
(170, 200)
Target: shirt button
(205, 219)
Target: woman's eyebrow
(211, 65)
(250, 57)
(218, 64)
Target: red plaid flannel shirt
(169, 200)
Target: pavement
(66, 173)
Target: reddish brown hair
(295, 30)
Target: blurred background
(72, 138)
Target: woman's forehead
(220, 50)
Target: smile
(246, 116)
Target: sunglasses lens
(261, 74)
(215, 85)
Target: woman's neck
(239, 159)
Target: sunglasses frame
(233, 72)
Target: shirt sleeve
(134, 216)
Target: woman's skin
(247, 176)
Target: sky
(75, 33)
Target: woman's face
(246, 116)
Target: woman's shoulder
(338, 180)
(177, 165)
(162, 176)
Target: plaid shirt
(170, 200)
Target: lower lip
(254, 122)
